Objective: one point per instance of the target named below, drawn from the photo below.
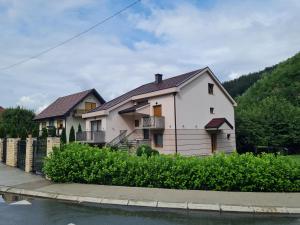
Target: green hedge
(84, 164)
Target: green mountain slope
(239, 85)
(268, 113)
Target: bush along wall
(85, 164)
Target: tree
(72, 135)
(17, 122)
(63, 136)
(79, 128)
(268, 113)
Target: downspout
(66, 129)
(175, 120)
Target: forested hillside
(268, 113)
(239, 85)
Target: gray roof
(150, 87)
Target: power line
(71, 38)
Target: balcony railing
(91, 136)
(153, 122)
(79, 112)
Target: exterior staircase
(127, 142)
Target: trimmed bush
(146, 150)
(84, 164)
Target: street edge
(153, 204)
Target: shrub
(52, 131)
(85, 164)
(44, 133)
(146, 150)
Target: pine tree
(72, 135)
(63, 136)
(79, 128)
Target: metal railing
(118, 139)
(91, 136)
(153, 122)
(79, 112)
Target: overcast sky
(168, 37)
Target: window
(211, 109)
(51, 123)
(158, 140)
(89, 106)
(60, 124)
(96, 125)
(210, 88)
(43, 124)
(136, 123)
(228, 136)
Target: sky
(169, 36)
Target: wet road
(17, 211)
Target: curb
(154, 204)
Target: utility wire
(71, 38)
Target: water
(44, 212)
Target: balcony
(153, 122)
(79, 112)
(91, 137)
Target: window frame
(155, 138)
(136, 123)
(211, 88)
(92, 105)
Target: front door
(157, 110)
(213, 142)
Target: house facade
(190, 114)
(67, 111)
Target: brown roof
(133, 108)
(150, 87)
(217, 122)
(1, 109)
(63, 105)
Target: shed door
(157, 110)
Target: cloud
(233, 38)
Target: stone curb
(153, 204)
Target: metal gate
(39, 153)
(21, 155)
(4, 150)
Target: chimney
(158, 78)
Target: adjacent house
(67, 111)
(191, 114)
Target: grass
(296, 158)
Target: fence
(27, 154)
(21, 154)
(4, 150)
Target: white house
(191, 114)
(67, 111)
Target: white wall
(193, 113)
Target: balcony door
(95, 125)
(157, 110)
